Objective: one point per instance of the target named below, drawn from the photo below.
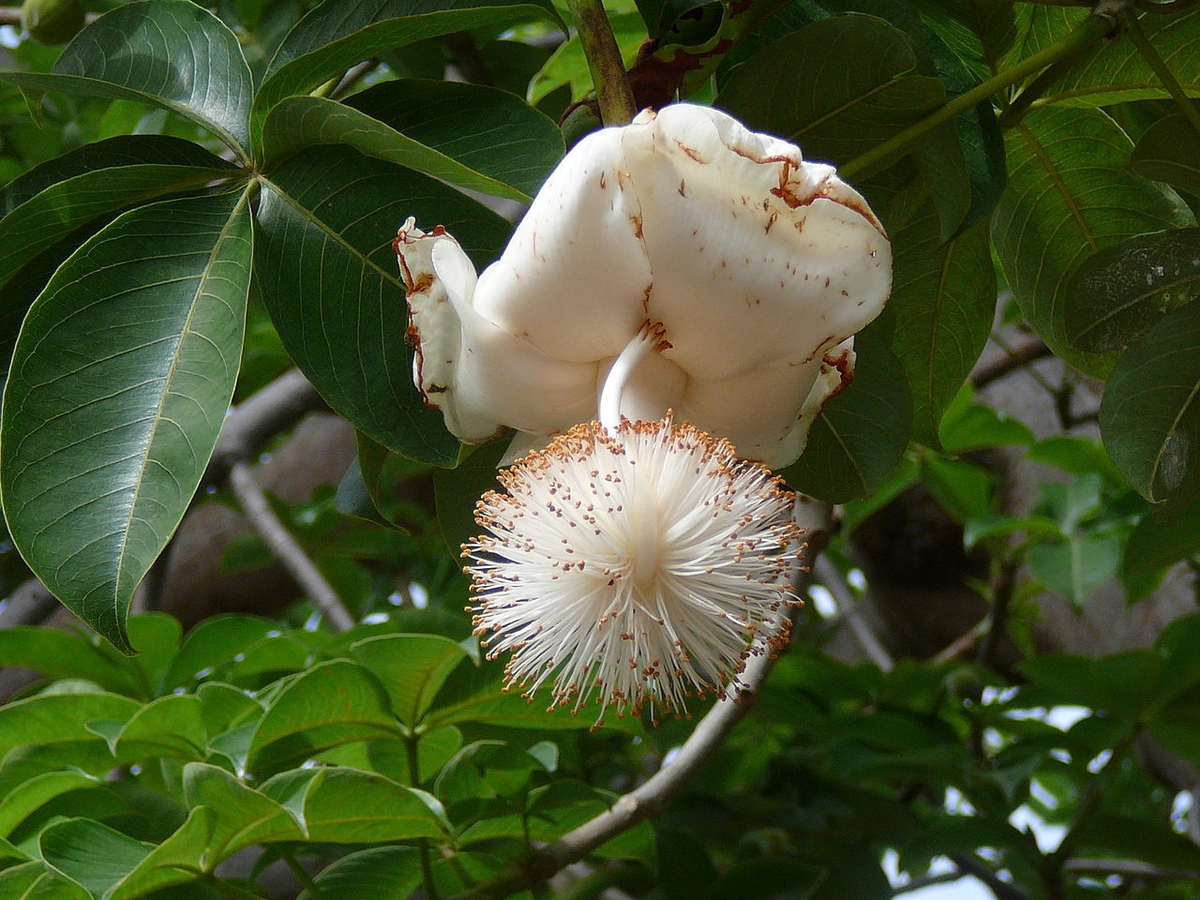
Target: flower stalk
(613, 93)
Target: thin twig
(653, 795)
(852, 613)
(285, 547)
(1016, 357)
(1002, 889)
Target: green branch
(1090, 31)
(604, 61)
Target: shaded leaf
(1150, 417)
(214, 642)
(335, 35)
(457, 490)
(55, 718)
(943, 295)
(332, 284)
(91, 854)
(61, 654)
(862, 432)
(833, 111)
(141, 51)
(1077, 566)
(1169, 150)
(1117, 294)
(469, 135)
(1069, 196)
(113, 404)
(378, 873)
(26, 797)
(170, 726)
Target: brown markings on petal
(691, 152)
(658, 331)
(420, 285)
(770, 222)
(683, 190)
(636, 219)
(603, 181)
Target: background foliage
(196, 198)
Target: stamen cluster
(633, 566)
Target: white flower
(752, 267)
(632, 566)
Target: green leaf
(412, 667)
(175, 861)
(475, 137)
(943, 295)
(32, 881)
(336, 35)
(171, 726)
(168, 53)
(1117, 294)
(1169, 150)
(1123, 684)
(242, 816)
(457, 490)
(56, 718)
(834, 111)
(332, 285)
(378, 873)
(1116, 71)
(1150, 418)
(28, 796)
(42, 221)
(568, 67)
(61, 654)
(861, 434)
(121, 378)
(349, 806)
(1155, 544)
(213, 643)
(1077, 566)
(91, 854)
(1069, 196)
(967, 425)
(330, 704)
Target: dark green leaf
(1123, 684)
(171, 726)
(473, 136)
(330, 704)
(336, 35)
(1155, 544)
(1117, 294)
(1116, 71)
(1070, 195)
(943, 295)
(1169, 150)
(169, 53)
(25, 798)
(332, 284)
(213, 643)
(457, 490)
(173, 862)
(33, 882)
(833, 110)
(967, 425)
(121, 378)
(861, 434)
(1150, 418)
(91, 854)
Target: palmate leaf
(121, 377)
(336, 35)
(473, 136)
(1070, 194)
(169, 53)
(331, 283)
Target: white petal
(756, 255)
(574, 275)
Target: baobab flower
(633, 563)
(752, 266)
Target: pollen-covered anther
(663, 580)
